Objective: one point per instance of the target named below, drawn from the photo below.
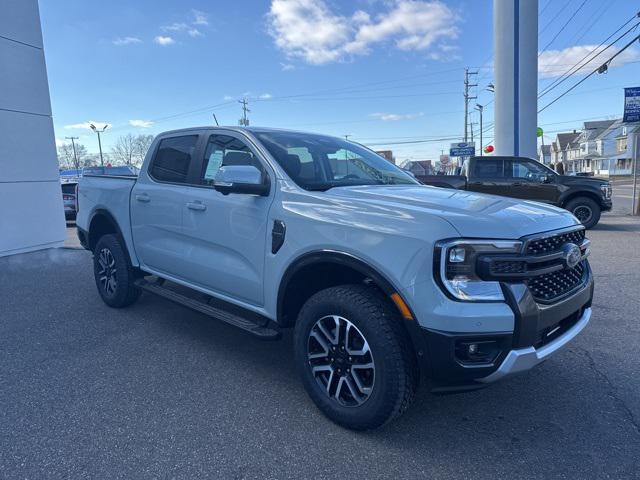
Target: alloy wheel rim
(107, 271)
(341, 360)
(583, 213)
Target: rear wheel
(114, 274)
(585, 209)
(355, 359)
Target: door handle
(199, 206)
(143, 198)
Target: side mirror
(245, 179)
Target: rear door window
(173, 159)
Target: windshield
(317, 162)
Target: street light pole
(93, 127)
(480, 108)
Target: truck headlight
(606, 190)
(455, 268)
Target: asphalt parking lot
(156, 390)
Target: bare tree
(66, 157)
(142, 144)
(124, 149)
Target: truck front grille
(552, 286)
(554, 242)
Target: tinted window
(223, 150)
(69, 188)
(528, 169)
(488, 168)
(316, 162)
(172, 160)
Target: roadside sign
(462, 149)
(631, 105)
(444, 159)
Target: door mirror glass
(245, 179)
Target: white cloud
(121, 41)
(286, 67)
(194, 32)
(554, 63)
(199, 18)
(265, 96)
(141, 123)
(394, 117)
(60, 142)
(310, 30)
(228, 98)
(162, 40)
(87, 125)
(175, 27)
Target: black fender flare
(349, 260)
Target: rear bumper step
(158, 288)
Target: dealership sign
(631, 105)
(462, 149)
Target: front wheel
(114, 274)
(586, 210)
(354, 356)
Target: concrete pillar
(515, 50)
(31, 212)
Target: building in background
(31, 211)
(419, 167)
(544, 154)
(388, 154)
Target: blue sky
(382, 71)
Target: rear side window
(488, 168)
(173, 158)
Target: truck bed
(110, 193)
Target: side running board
(259, 330)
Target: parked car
(69, 199)
(383, 280)
(528, 179)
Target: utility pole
(95, 129)
(244, 121)
(480, 108)
(215, 119)
(467, 97)
(73, 145)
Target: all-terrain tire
(585, 209)
(394, 380)
(113, 273)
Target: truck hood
(473, 215)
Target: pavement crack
(613, 390)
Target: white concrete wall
(31, 212)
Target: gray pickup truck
(528, 179)
(384, 281)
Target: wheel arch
(581, 193)
(327, 262)
(307, 275)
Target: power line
(563, 27)
(550, 22)
(603, 68)
(583, 61)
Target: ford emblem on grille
(572, 255)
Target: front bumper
(539, 331)
(607, 204)
(524, 359)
